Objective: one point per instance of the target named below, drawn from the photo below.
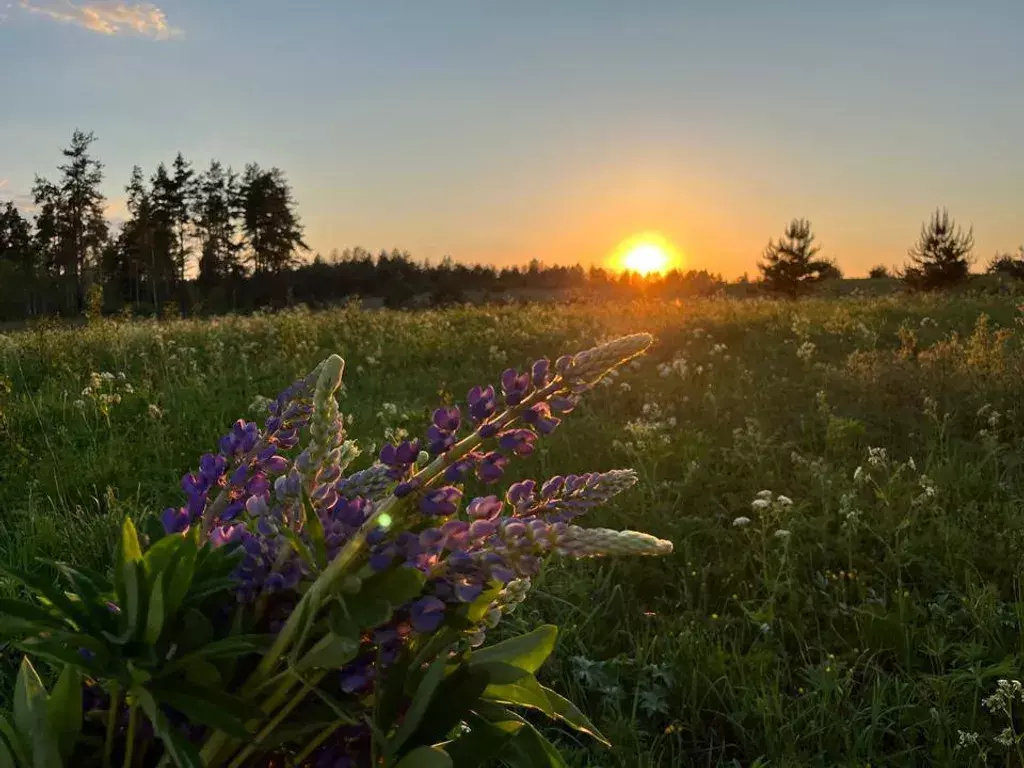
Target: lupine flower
(515, 386)
(481, 403)
(520, 442)
(441, 501)
(491, 467)
(426, 614)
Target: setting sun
(646, 254)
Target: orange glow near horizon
(645, 254)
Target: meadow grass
(861, 619)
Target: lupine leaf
(528, 749)
(28, 615)
(65, 710)
(315, 529)
(132, 607)
(182, 751)
(527, 692)
(425, 757)
(484, 741)
(527, 652)
(457, 694)
(128, 551)
(330, 652)
(6, 755)
(418, 707)
(398, 586)
(156, 613)
(45, 589)
(159, 556)
(180, 580)
(207, 705)
(14, 742)
(31, 716)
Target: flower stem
(108, 746)
(129, 749)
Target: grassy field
(858, 615)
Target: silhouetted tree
(941, 257)
(790, 266)
(216, 222)
(73, 225)
(271, 227)
(1008, 265)
(878, 272)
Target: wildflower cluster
(373, 587)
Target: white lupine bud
(599, 542)
(589, 366)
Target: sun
(645, 254)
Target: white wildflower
(765, 494)
(740, 522)
(760, 504)
(154, 412)
(784, 500)
(783, 534)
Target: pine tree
(182, 204)
(73, 227)
(216, 222)
(790, 266)
(269, 221)
(941, 257)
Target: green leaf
(65, 710)
(225, 648)
(131, 551)
(389, 694)
(45, 588)
(479, 607)
(131, 574)
(527, 692)
(207, 705)
(156, 615)
(300, 547)
(460, 692)
(159, 556)
(183, 574)
(398, 585)
(182, 751)
(425, 757)
(528, 749)
(62, 648)
(367, 611)
(6, 755)
(30, 615)
(484, 742)
(13, 741)
(29, 700)
(418, 707)
(330, 652)
(31, 712)
(526, 652)
(315, 529)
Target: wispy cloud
(107, 17)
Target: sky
(498, 132)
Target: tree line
(217, 240)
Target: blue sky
(500, 132)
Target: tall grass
(867, 632)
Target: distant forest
(217, 240)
